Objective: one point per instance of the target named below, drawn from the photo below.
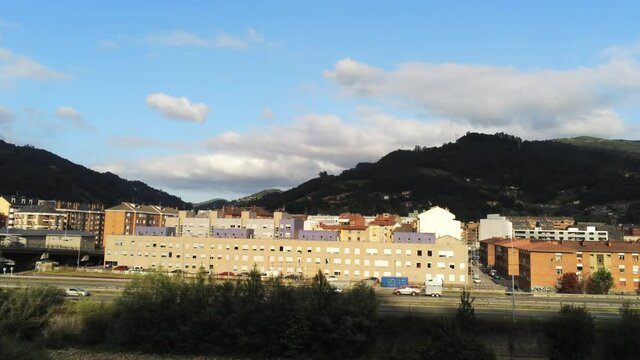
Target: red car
(226, 274)
(121, 268)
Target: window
(559, 271)
(419, 253)
(558, 257)
(452, 266)
(620, 256)
(418, 265)
(634, 257)
(428, 265)
(621, 269)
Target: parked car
(332, 278)
(412, 290)
(293, 277)
(121, 268)
(77, 292)
(226, 274)
(476, 279)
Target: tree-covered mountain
(476, 175)
(37, 173)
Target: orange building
(622, 259)
(507, 256)
(488, 251)
(123, 219)
(541, 264)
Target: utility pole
(513, 289)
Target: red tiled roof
(545, 246)
(600, 246)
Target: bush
(24, 312)
(572, 333)
(622, 342)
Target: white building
(571, 234)
(495, 226)
(441, 222)
(313, 222)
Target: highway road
(487, 304)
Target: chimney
(582, 243)
(608, 243)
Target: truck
(433, 287)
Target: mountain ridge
(42, 174)
(476, 175)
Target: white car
(332, 278)
(77, 292)
(407, 290)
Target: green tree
(570, 284)
(572, 334)
(600, 282)
(465, 315)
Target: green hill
(476, 175)
(630, 146)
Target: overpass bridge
(25, 257)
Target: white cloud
(222, 40)
(6, 115)
(540, 100)
(13, 67)
(178, 107)
(69, 113)
(266, 113)
(286, 155)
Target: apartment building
(83, 217)
(622, 259)
(39, 217)
(445, 258)
(9, 205)
(571, 234)
(541, 264)
(123, 219)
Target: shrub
(572, 333)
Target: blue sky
(221, 99)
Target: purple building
(155, 231)
(290, 228)
(233, 233)
(318, 235)
(414, 238)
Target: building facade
(440, 222)
(446, 258)
(495, 226)
(570, 234)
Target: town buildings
(123, 219)
(348, 246)
(440, 222)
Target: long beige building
(446, 258)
